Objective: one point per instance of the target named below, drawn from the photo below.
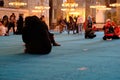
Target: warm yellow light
(98, 6)
(104, 9)
(46, 7)
(36, 11)
(75, 13)
(66, 9)
(66, 4)
(115, 4)
(17, 4)
(69, 5)
(42, 7)
(63, 9)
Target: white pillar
(100, 16)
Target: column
(50, 12)
(6, 3)
(87, 8)
(118, 13)
(100, 16)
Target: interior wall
(8, 12)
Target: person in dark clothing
(89, 33)
(36, 36)
(51, 35)
(12, 22)
(89, 22)
(19, 24)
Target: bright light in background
(64, 1)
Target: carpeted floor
(76, 59)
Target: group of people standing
(10, 22)
(78, 25)
(74, 24)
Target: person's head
(5, 17)
(42, 18)
(13, 13)
(32, 21)
(20, 15)
(89, 18)
(108, 20)
(28, 21)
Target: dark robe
(36, 37)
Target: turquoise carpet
(76, 59)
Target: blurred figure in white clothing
(79, 24)
(2, 29)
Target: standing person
(51, 36)
(36, 36)
(79, 24)
(71, 25)
(12, 23)
(19, 24)
(66, 23)
(2, 29)
(61, 24)
(5, 22)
